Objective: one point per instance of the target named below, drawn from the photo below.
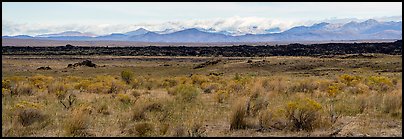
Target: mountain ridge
(369, 29)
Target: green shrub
(185, 92)
(127, 76)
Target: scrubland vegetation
(125, 101)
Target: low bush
(349, 80)
(302, 113)
(392, 104)
(124, 98)
(28, 116)
(273, 118)
(78, 123)
(196, 130)
(22, 88)
(6, 84)
(199, 79)
(380, 83)
(256, 103)
(185, 92)
(221, 96)
(127, 76)
(144, 129)
(237, 117)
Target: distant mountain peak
(371, 21)
(139, 31)
(192, 29)
(321, 24)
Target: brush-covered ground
(346, 95)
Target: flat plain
(344, 95)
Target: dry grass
(172, 102)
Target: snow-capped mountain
(367, 30)
(139, 31)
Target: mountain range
(367, 30)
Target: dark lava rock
(87, 63)
(44, 68)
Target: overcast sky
(102, 18)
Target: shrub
(103, 109)
(68, 100)
(350, 79)
(139, 113)
(5, 92)
(5, 84)
(124, 98)
(273, 119)
(77, 124)
(140, 110)
(221, 96)
(237, 118)
(169, 83)
(209, 87)
(136, 93)
(28, 116)
(116, 87)
(83, 84)
(379, 83)
(392, 104)
(144, 128)
(58, 88)
(302, 113)
(150, 84)
(22, 88)
(163, 128)
(127, 76)
(334, 89)
(350, 105)
(196, 130)
(98, 87)
(235, 87)
(199, 79)
(136, 83)
(305, 86)
(25, 104)
(40, 81)
(256, 103)
(185, 92)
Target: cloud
(236, 25)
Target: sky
(34, 18)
